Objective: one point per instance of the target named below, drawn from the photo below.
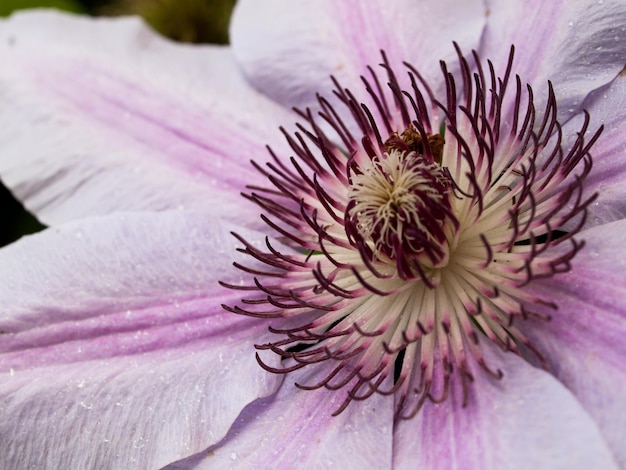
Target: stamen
(409, 250)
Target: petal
(289, 49)
(577, 45)
(296, 429)
(608, 174)
(114, 349)
(524, 420)
(584, 343)
(103, 115)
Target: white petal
(114, 349)
(526, 420)
(584, 343)
(296, 429)
(288, 49)
(578, 45)
(102, 115)
(608, 175)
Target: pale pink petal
(114, 349)
(607, 107)
(584, 342)
(101, 115)
(578, 45)
(296, 429)
(526, 420)
(288, 49)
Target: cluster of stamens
(405, 235)
(401, 204)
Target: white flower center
(399, 204)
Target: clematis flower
(436, 281)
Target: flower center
(400, 255)
(399, 206)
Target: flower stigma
(406, 229)
(401, 203)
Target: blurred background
(199, 21)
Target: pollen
(412, 141)
(394, 255)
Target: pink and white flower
(408, 239)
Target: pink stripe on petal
(203, 141)
(185, 324)
(93, 125)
